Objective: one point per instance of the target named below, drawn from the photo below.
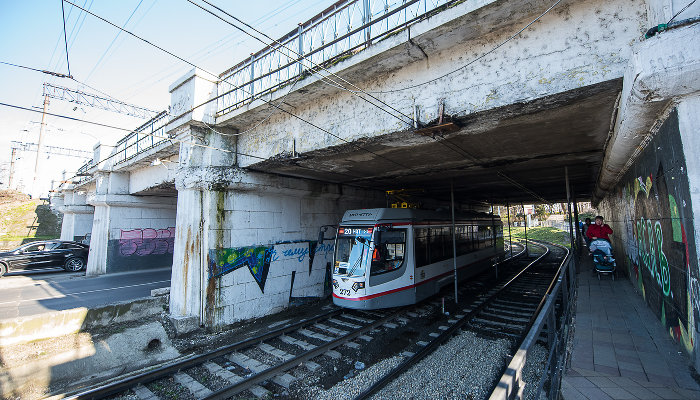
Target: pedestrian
(586, 225)
(599, 230)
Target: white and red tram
(389, 257)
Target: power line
(679, 12)
(65, 39)
(476, 59)
(241, 88)
(58, 74)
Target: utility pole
(35, 189)
(10, 179)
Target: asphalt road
(24, 295)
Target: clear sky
(114, 63)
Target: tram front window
(352, 251)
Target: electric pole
(35, 189)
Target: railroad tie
(443, 327)
(356, 318)
(433, 334)
(412, 314)
(390, 325)
(284, 380)
(351, 345)
(314, 335)
(344, 323)
(274, 351)
(335, 331)
(246, 362)
(333, 354)
(407, 354)
(197, 389)
(296, 342)
(222, 373)
(311, 366)
(422, 343)
(260, 392)
(144, 393)
(402, 320)
(365, 338)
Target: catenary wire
(334, 83)
(679, 12)
(58, 74)
(241, 88)
(476, 59)
(65, 38)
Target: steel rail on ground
(443, 337)
(511, 385)
(173, 367)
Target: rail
(557, 320)
(143, 138)
(338, 32)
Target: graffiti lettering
(143, 242)
(257, 259)
(650, 242)
(300, 252)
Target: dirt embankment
(24, 219)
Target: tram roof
(380, 215)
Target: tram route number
(344, 292)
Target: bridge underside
(509, 154)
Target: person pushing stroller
(600, 247)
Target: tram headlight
(358, 285)
(335, 283)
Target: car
(71, 256)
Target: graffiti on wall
(654, 224)
(143, 242)
(257, 259)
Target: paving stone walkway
(621, 350)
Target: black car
(72, 256)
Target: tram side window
(440, 244)
(422, 246)
(389, 250)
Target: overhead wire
(65, 39)
(679, 12)
(43, 71)
(239, 87)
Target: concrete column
(129, 232)
(77, 216)
(689, 126)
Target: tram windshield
(352, 250)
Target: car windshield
(32, 247)
(352, 250)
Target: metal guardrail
(341, 30)
(145, 137)
(83, 174)
(558, 322)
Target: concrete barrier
(58, 323)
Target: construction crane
(91, 100)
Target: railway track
(325, 344)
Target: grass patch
(545, 233)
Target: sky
(108, 63)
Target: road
(24, 295)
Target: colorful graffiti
(256, 259)
(143, 242)
(653, 221)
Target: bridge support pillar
(129, 232)
(247, 243)
(77, 216)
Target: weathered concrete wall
(575, 45)
(129, 232)
(247, 243)
(651, 212)
(77, 215)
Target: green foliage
(545, 233)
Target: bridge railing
(341, 30)
(143, 138)
(83, 174)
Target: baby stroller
(603, 259)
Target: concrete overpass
(250, 165)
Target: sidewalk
(621, 350)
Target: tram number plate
(344, 292)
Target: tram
(389, 257)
